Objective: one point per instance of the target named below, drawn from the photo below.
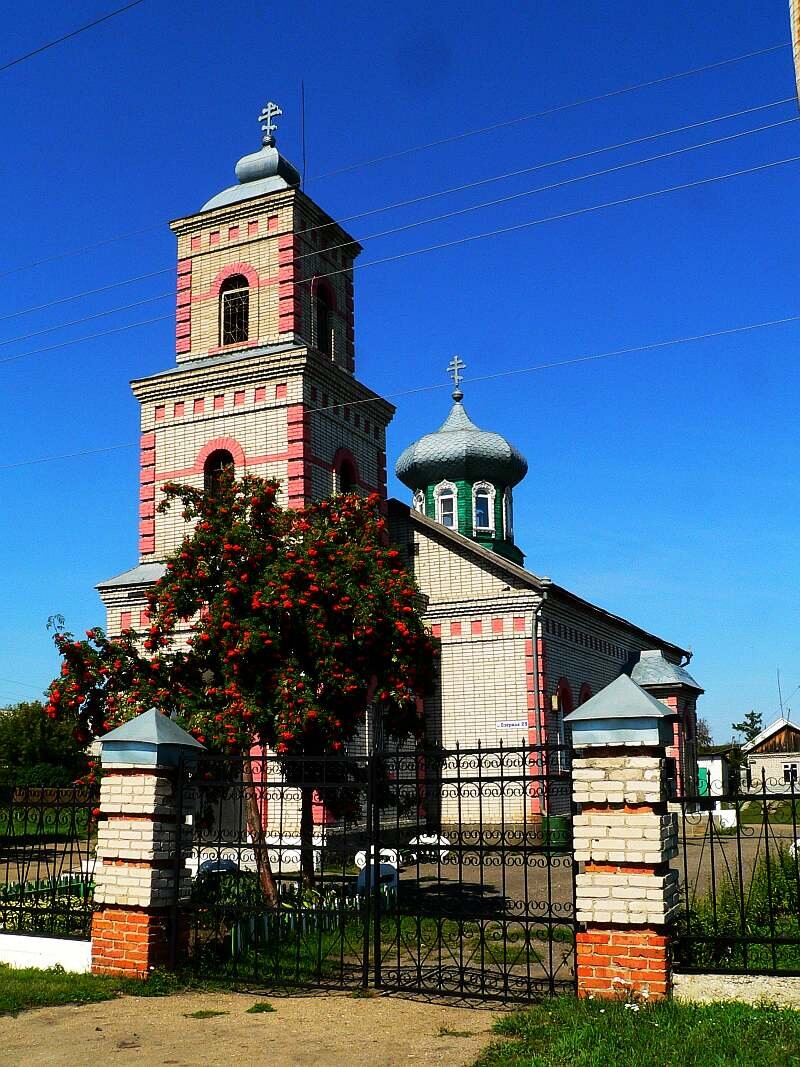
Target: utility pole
(794, 21)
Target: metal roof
(654, 669)
(151, 727)
(460, 450)
(621, 699)
(141, 574)
(265, 171)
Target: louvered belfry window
(234, 310)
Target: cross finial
(269, 112)
(454, 368)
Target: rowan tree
(269, 627)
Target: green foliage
(769, 906)
(750, 726)
(704, 738)
(300, 620)
(36, 750)
(261, 1007)
(596, 1033)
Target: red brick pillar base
(129, 941)
(625, 963)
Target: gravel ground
(313, 1031)
(751, 989)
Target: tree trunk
(256, 829)
(307, 836)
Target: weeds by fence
(740, 910)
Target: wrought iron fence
(47, 839)
(439, 872)
(739, 872)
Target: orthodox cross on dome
(454, 368)
(269, 112)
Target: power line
(559, 217)
(552, 111)
(575, 360)
(554, 163)
(88, 337)
(555, 185)
(444, 192)
(23, 685)
(78, 251)
(65, 455)
(67, 36)
(570, 361)
(85, 293)
(455, 242)
(88, 318)
(428, 221)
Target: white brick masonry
(629, 899)
(135, 886)
(137, 839)
(619, 780)
(623, 837)
(140, 794)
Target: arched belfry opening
(220, 460)
(348, 476)
(234, 310)
(323, 319)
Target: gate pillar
(626, 894)
(142, 845)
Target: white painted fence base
(20, 950)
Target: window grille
(234, 299)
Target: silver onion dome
(460, 450)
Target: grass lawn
(609, 1034)
(29, 987)
(779, 812)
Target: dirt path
(312, 1031)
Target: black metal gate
(739, 874)
(429, 872)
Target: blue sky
(662, 484)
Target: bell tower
(264, 376)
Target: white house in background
(773, 758)
(713, 773)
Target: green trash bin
(557, 832)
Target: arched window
(234, 310)
(508, 514)
(483, 507)
(324, 320)
(419, 501)
(348, 478)
(445, 496)
(217, 462)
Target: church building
(264, 379)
